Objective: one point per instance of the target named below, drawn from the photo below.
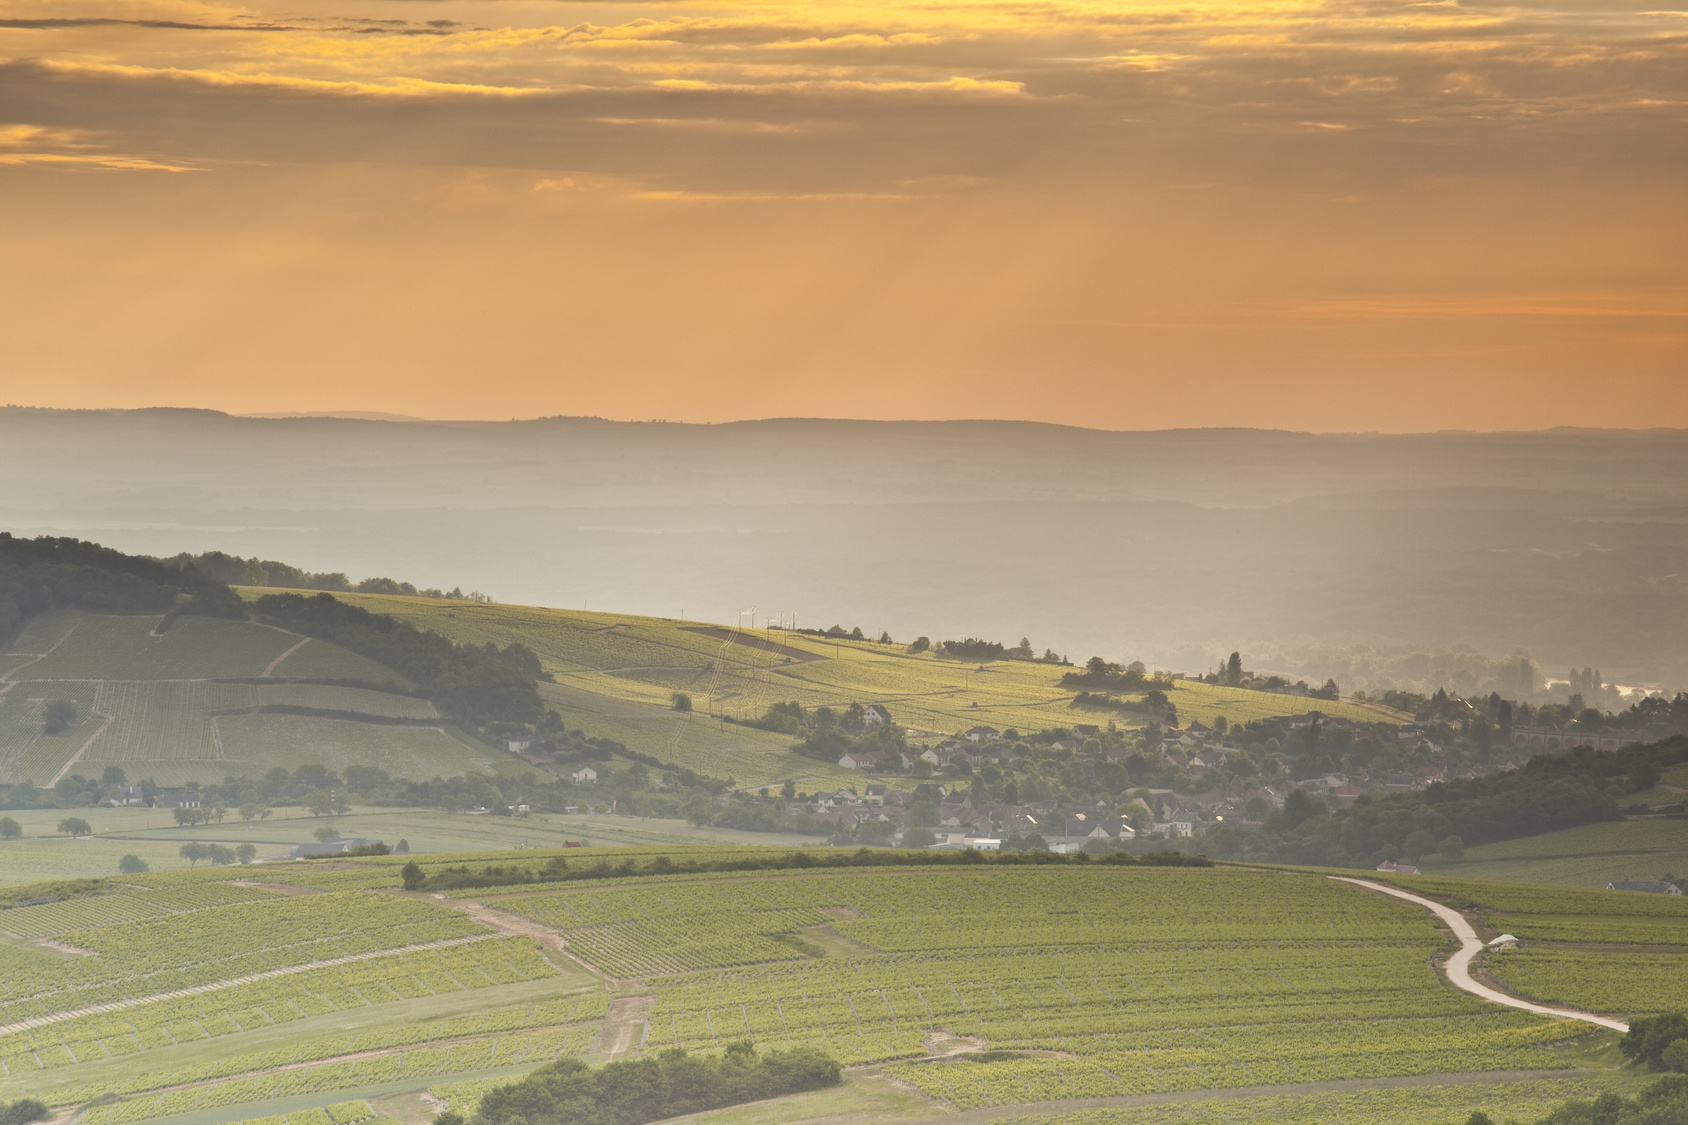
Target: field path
(1459, 965)
(269, 669)
(119, 1005)
(623, 1025)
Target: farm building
(1651, 887)
(585, 775)
(982, 734)
(1397, 868)
(875, 715)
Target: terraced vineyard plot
(103, 647)
(152, 721)
(152, 956)
(1633, 983)
(251, 741)
(418, 974)
(125, 906)
(323, 660)
(26, 751)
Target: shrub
(132, 865)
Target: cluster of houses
(1063, 825)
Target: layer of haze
(1314, 214)
(1319, 554)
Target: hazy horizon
(1317, 553)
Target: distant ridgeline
(39, 574)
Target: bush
(58, 715)
(668, 1084)
(132, 865)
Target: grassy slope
(146, 705)
(1209, 990)
(1590, 856)
(616, 673)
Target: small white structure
(520, 745)
(585, 775)
(875, 715)
(1504, 941)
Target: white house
(520, 745)
(875, 715)
(983, 734)
(585, 775)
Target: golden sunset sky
(1358, 214)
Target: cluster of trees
(39, 574)
(977, 648)
(236, 571)
(482, 687)
(664, 1084)
(218, 854)
(1108, 677)
(1660, 1043)
(827, 734)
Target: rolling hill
(616, 674)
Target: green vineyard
(305, 988)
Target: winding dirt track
(1459, 965)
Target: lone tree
(57, 715)
(412, 875)
(75, 826)
(681, 701)
(133, 865)
(1234, 669)
(246, 853)
(9, 828)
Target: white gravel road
(1459, 965)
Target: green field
(45, 853)
(1176, 995)
(616, 673)
(153, 705)
(1590, 856)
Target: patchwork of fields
(169, 706)
(194, 995)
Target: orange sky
(1362, 214)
